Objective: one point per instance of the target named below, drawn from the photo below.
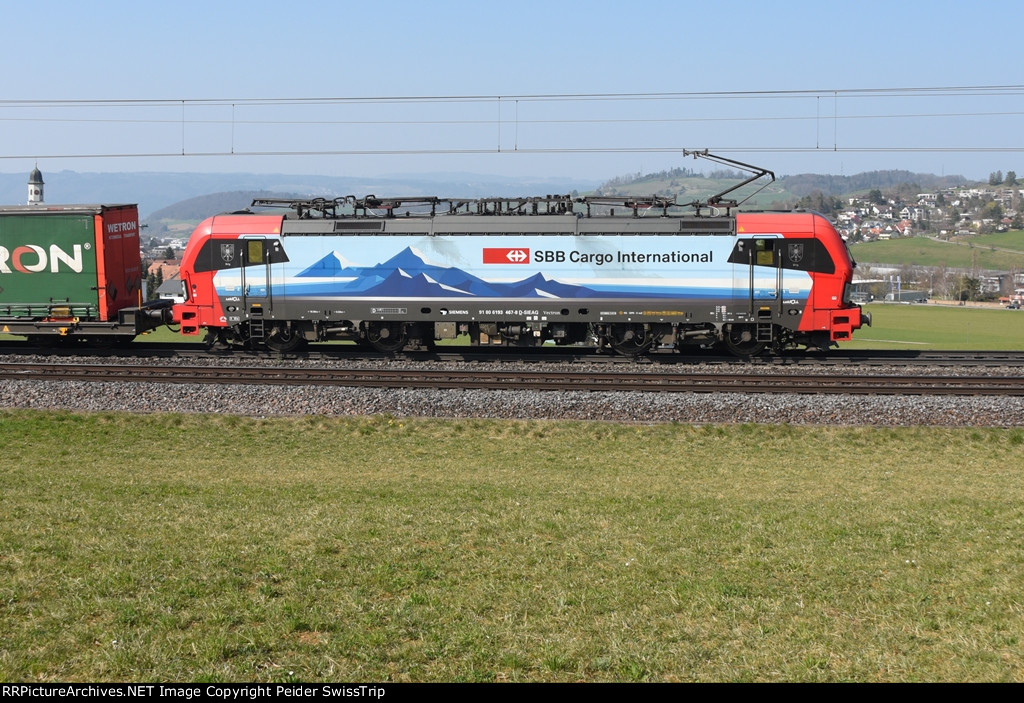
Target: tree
(820, 202)
(1009, 283)
(993, 210)
(169, 253)
(967, 288)
(907, 192)
(939, 281)
(995, 178)
(910, 275)
(1011, 178)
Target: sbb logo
(495, 255)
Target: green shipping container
(79, 261)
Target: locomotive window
(221, 254)
(764, 252)
(254, 251)
(795, 254)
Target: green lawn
(179, 548)
(896, 326)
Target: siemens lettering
(34, 259)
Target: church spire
(35, 186)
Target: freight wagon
(73, 271)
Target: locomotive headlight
(184, 290)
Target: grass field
(992, 252)
(946, 327)
(1008, 241)
(226, 549)
(183, 548)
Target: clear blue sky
(776, 84)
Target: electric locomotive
(627, 274)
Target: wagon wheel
(741, 341)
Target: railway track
(519, 380)
(664, 357)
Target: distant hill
(153, 191)
(687, 186)
(807, 183)
(203, 206)
(191, 197)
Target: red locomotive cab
(195, 288)
(214, 247)
(808, 243)
(833, 309)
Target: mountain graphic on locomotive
(623, 273)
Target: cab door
(257, 292)
(757, 272)
(260, 293)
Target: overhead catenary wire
(191, 116)
(919, 91)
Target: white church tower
(35, 186)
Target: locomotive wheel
(218, 340)
(387, 338)
(741, 341)
(284, 340)
(631, 340)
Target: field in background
(1009, 241)
(897, 326)
(993, 252)
(216, 548)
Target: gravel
(697, 408)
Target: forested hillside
(806, 183)
(201, 207)
(687, 185)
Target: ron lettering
(31, 258)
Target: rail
(517, 380)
